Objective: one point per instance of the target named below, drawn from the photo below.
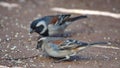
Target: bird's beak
(31, 31)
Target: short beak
(31, 31)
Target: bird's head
(39, 26)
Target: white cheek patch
(44, 24)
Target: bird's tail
(69, 20)
(83, 45)
(98, 43)
(76, 18)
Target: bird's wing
(58, 19)
(68, 47)
(71, 44)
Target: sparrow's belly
(55, 30)
(58, 53)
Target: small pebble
(14, 47)
(29, 40)
(19, 61)
(51, 65)
(31, 60)
(0, 39)
(69, 66)
(116, 58)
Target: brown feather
(54, 20)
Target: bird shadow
(72, 58)
(77, 58)
(81, 58)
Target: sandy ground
(15, 41)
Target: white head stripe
(40, 23)
(44, 24)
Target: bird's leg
(66, 58)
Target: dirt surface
(16, 42)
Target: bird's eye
(40, 28)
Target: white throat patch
(44, 24)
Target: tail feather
(76, 18)
(81, 47)
(100, 43)
(67, 19)
(83, 44)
